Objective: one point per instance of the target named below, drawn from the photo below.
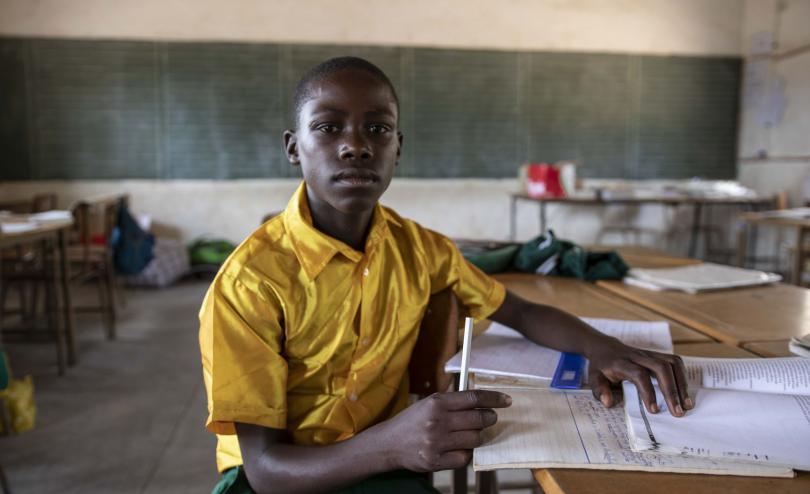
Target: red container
(543, 180)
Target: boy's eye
(327, 128)
(378, 128)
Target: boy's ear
(400, 139)
(291, 147)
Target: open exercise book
(748, 410)
(546, 428)
(502, 351)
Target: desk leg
(742, 242)
(798, 259)
(543, 221)
(512, 218)
(67, 306)
(50, 269)
(696, 213)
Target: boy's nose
(355, 148)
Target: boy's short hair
(329, 67)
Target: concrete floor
(129, 417)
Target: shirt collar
(313, 248)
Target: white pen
(465, 354)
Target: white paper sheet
(788, 375)
(704, 276)
(764, 428)
(502, 351)
(18, 227)
(554, 429)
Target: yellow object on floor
(17, 401)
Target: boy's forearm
(551, 327)
(288, 468)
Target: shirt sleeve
(480, 294)
(241, 337)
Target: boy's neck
(349, 228)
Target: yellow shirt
(299, 331)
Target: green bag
(493, 261)
(549, 255)
(210, 251)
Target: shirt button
(353, 397)
(365, 272)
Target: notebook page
(786, 375)
(754, 427)
(649, 335)
(553, 429)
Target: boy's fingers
(679, 371)
(476, 398)
(467, 420)
(600, 386)
(453, 459)
(462, 440)
(666, 381)
(641, 378)
(680, 378)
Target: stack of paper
(502, 351)
(698, 277)
(17, 226)
(53, 215)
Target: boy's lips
(356, 176)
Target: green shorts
(234, 481)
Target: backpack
(132, 247)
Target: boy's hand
(440, 431)
(620, 362)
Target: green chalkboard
(87, 109)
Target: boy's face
(347, 141)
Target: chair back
(436, 343)
(43, 202)
(81, 229)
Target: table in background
(771, 218)
(637, 256)
(697, 203)
(735, 316)
(54, 233)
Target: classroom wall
(695, 27)
(774, 145)
(464, 208)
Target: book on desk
(551, 428)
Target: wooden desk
(571, 481)
(763, 313)
(54, 232)
(617, 482)
(587, 300)
(637, 256)
(771, 218)
(697, 204)
(713, 349)
(776, 348)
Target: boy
(307, 330)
